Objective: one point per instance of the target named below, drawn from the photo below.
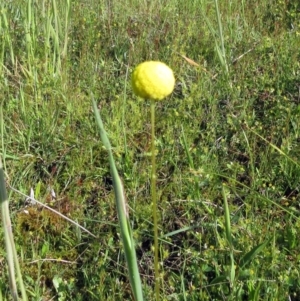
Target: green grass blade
(228, 235)
(227, 218)
(251, 254)
(185, 145)
(126, 233)
(219, 280)
(7, 229)
(221, 52)
(12, 256)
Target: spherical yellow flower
(153, 80)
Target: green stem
(154, 202)
(7, 229)
(11, 253)
(223, 52)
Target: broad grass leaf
(220, 279)
(251, 254)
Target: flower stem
(154, 201)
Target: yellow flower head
(153, 80)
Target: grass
(228, 144)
